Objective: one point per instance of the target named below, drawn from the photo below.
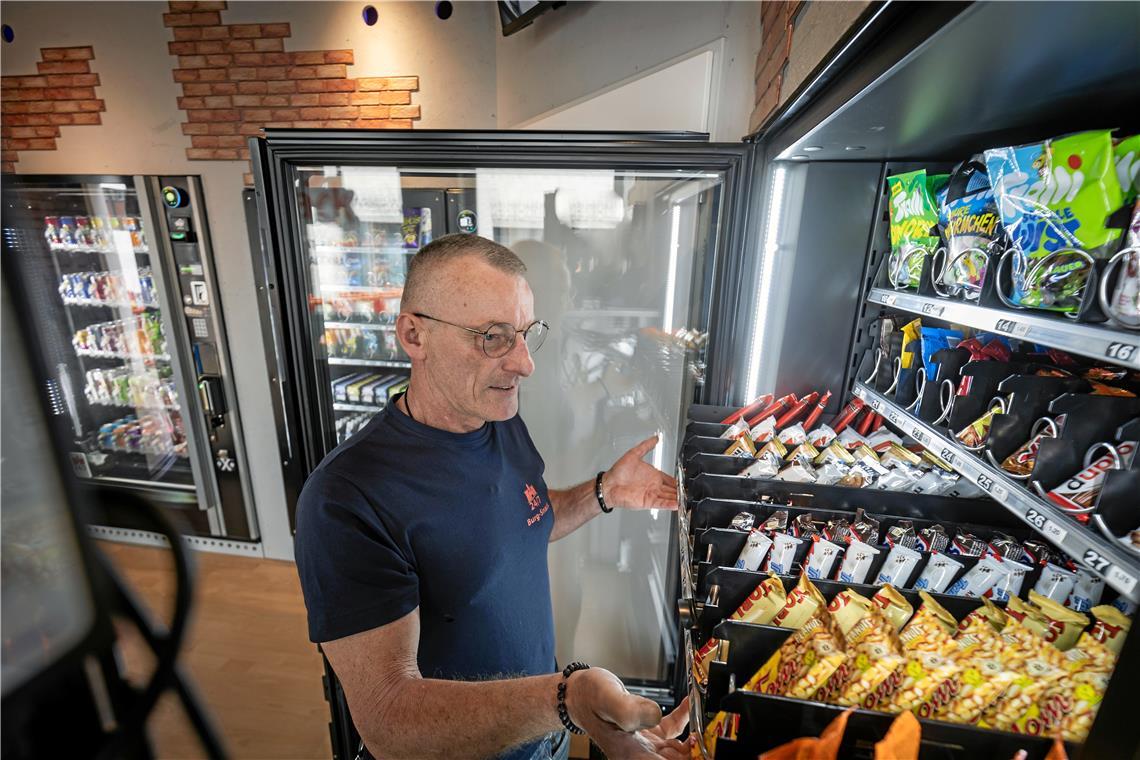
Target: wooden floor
(247, 651)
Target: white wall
(584, 48)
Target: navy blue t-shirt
(403, 515)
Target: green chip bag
(1127, 157)
(1054, 199)
(914, 219)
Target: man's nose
(518, 360)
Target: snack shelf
(1091, 340)
(142, 407)
(367, 363)
(153, 452)
(391, 250)
(361, 325)
(86, 352)
(137, 308)
(104, 251)
(1116, 564)
(357, 407)
(392, 292)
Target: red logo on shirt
(534, 500)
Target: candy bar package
(902, 534)
(821, 437)
(1011, 583)
(764, 430)
(804, 454)
(767, 599)
(831, 473)
(821, 558)
(856, 563)
(777, 522)
(792, 435)
(754, 551)
(865, 528)
(713, 649)
(1055, 583)
(734, 431)
(1086, 591)
(914, 220)
(939, 572)
(797, 473)
(898, 566)
(1078, 494)
(1054, 196)
(967, 545)
(742, 447)
(743, 521)
(979, 579)
(968, 217)
(1111, 626)
(783, 553)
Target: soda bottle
(67, 231)
(99, 236)
(84, 236)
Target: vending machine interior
(119, 272)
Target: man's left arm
(631, 483)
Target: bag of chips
(763, 603)
(804, 662)
(1111, 626)
(867, 636)
(802, 602)
(914, 218)
(1053, 196)
(969, 220)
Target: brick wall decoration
(776, 25)
(238, 79)
(34, 107)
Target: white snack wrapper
(899, 477)
(761, 468)
(830, 473)
(1011, 584)
(793, 435)
(821, 437)
(754, 551)
(881, 439)
(938, 573)
(979, 579)
(1056, 583)
(849, 439)
(1086, 591)
(764, 430)
(821, 558)
(783, 553)
(898, 566)
(734, 431)
(857, 562)
(797, 473)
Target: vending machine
(119, 272)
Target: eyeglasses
(499, 338)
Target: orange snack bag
(902, 740)
(826, 747)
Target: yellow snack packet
(929, 682)
(871, 675)
(803, 662)
(1038, 668)
(723, 726)
(982, 678)
(928, 633)
(713, 649)
(1090, 655)
(1111, 626)
(893, 606)
(1064, 625)
(867, 637)
(1085, 693)
(990, 613)
(763, 603)
(803, 601)
(742, 447)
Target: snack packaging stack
(929, 673)
(969, 220)
(869, 637)
(762, 605)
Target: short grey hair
(449, 248)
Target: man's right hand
(621, 724)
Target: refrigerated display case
(120, 273)
(775, 249)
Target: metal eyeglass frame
(485, 334)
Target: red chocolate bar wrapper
(772, 409)
(813, 418)
(864, 426)
(847, 415)
(799, 408)
(748, 410)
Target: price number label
(933, 309)
(876, 404)
(894, 418)
(947, 456)
(1036, 519)
(1093, 559)
(1121, 352)
(985, 482)
(1124, 581)
(1054, 531)
(1010, 327)
(886, 298)
(917, 434)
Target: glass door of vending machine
(117, 272)
(621, 237)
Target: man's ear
(410, 333)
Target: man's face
(476, 387)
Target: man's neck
(429, 408)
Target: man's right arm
(400, 714)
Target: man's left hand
(633, 483)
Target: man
(422, 541)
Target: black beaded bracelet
(563, 713)
(598, 493)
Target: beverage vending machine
(119, 270)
